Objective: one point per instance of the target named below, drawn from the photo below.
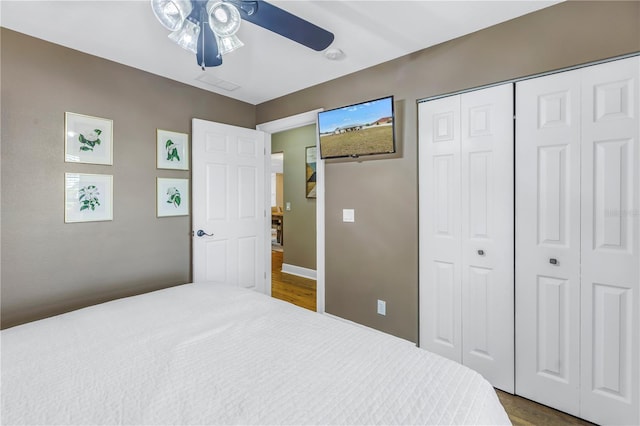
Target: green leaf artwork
(88, 197)
(172, 151)
(174, 196)
(90, 140)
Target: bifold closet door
(578, 241)
(548, 240)
(440, 227)
(610, 271)
(487, 234)
(466, 230)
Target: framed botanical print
(172, 150)
(172, 197)
(88, 139)
(88, 197)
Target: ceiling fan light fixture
(208, 27)
(187, 36)
(224, 20)
(229, 44)
(171, 13)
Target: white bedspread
(212, 354)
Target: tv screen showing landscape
(361, 129)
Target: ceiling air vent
(214, 81)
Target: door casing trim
(281, 125)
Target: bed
(216, 354)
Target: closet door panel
(610, 243)
(487, 233)
(548, 240)
(439, 203)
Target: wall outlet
(382, 307)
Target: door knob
(481, 252)
(201, 233)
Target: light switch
(382, 307)
(348, 215)
(287, 206)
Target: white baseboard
(299, 271)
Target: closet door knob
(481, 252)
(553, 261)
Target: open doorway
(272, 128)
(293, 216)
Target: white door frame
(281, 125)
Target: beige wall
(377, 256)
(48, 266)
(300, 221)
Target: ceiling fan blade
(287, 25)
(208, 55)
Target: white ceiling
(268, 66)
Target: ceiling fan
(208, 27)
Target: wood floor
(521, 411)
(291, 288)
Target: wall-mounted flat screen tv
(360, 129)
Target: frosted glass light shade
(171, 13)
(229, 44)
(224, 20)
(187, 36)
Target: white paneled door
(548, 241)
(466, 230)
(578, 241)
(487, 234)
(440, 228)
(610, 287)
(228, 205)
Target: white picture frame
(88, 197)
(88, 139)
(172, 197)
(172, 150)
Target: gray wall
(377, 256)
(300, 222)
(48, 266)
